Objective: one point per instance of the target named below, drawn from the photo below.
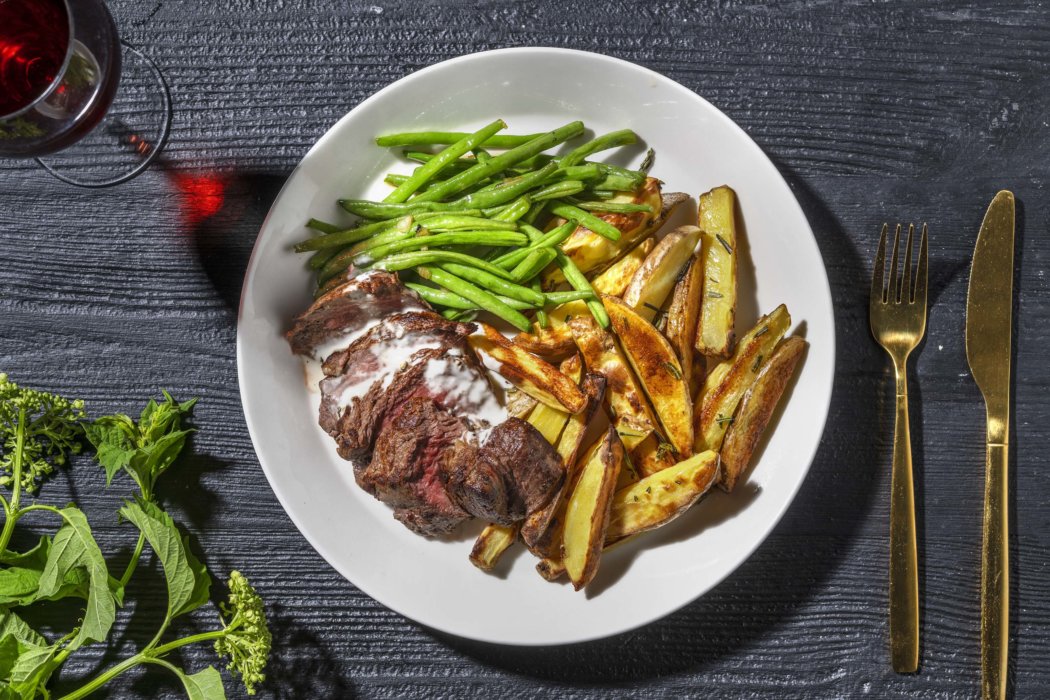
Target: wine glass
(69, 84)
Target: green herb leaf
(202, 685)
(8, 654)
(20, 581)
(187, 579)
(672, 370)
(12, 624)
(73, 547)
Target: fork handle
(904, 566)
(995, 575)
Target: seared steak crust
(349, 307)
(514, 473)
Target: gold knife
(989, 312)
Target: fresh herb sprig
(39, 432)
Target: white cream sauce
(467, 389)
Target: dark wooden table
(889, 111)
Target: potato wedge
(651, 456)
(661, 497)
(555, 341)
(659, 370)
(756, 408)
(550, 421)
(616, 279)
(683, 317)
(628, 408)
(657, 275)
(727, 381)
(542, 530)
(594, 253)
(715, 335)
(491, 544)
(519, 404)
(587, 514)
(537, 378)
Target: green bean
(405, 261)
(321, 257)
(395, 179)
(538, 240)
(537, 210)
(486, 300)
(577, 281)
(585, 219)
(613, 139)
(429, 138)
(323, 226)
(493, 283)
(351, 235)
(455, 222)
(460, 182)
(613, 207)
(558, 298)
(513, 211)
(430, 169)
(397, 234)
(533, 264)
(443, 297)
(460, 316)
(491, 238)
(590, 171)
(542, 319)
(565, 188)
(506, 190)
(380, 210)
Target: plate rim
(749, 142)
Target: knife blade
(989, 320)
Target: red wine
(34, 40)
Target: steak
(336, 317)
(512, 474)
(368, 382)
(405, 469)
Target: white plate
(533, 89)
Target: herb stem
(134, 560)
(164, 649)
(12, 512)
(105, 677)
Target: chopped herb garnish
(724, 420)
(648, 489)
(650, 306)
(672, 370)
(714, 295)
(647, 162)
(725, 245)
(761, 331)
(758, 361)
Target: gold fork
(898, 321)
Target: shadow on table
(772, 587)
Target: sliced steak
(407, 355)
(340, 315)
(512, 474)
(405, 469)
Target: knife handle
(995, 575)
(904, 560)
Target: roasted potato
(550, 421)
(587, 514)
(519, 404)
(593, 253)
(660, 372)
(537, 378)
(651, 455)
(682, 319)
(715, 335)
(543, 528)
(661, 497)
(491, 544)
(554, 342)
(628, 408)
(657, 275)
(756, 408)
(727, 381)
(616, 279)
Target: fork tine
(907, 279)
(893, 288)
(878, 289)
(920, 275)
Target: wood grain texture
(889, 111)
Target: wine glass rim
(57, 80)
